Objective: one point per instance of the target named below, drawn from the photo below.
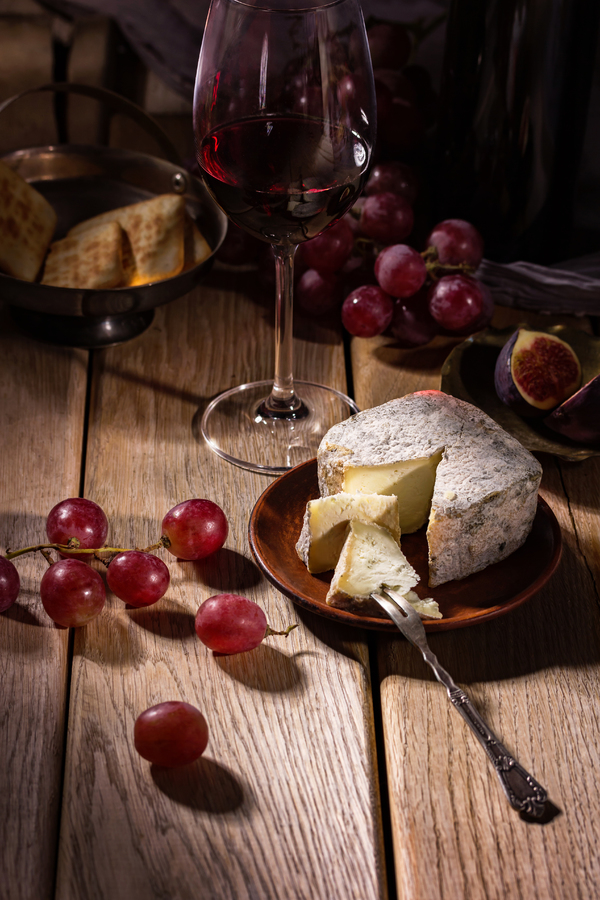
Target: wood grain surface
(42, 402)
(532, 674)
(285, 801)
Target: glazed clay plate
(468, 374)
(276, 522)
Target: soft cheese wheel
(485, 487)
(326, 520)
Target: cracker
(91, 260)
(27, 223)
(155, 229)
(197, 248)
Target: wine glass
(284, 125)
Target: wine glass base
(234, 428)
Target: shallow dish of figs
(542, 385)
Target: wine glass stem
(282, 401)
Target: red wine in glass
(284, 178)
(284, 125)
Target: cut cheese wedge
(485, 483)
(410, 480)
(370, 559)
(326, 520)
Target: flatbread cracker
(155, 229)
(197, 248)
(91, 260)
(27, 223)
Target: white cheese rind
(485, 494)
(326, 520)
(371, 558)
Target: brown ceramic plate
(468, 373)
(276, 522)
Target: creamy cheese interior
(326, 521)
(412, 481)
(370, 559)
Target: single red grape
(171, 734)
(138, 578)
(400, 270)
(10, 584)
(456, 242)
(239, 247)
(393, 177)
(329, 251)
(389, 44)
(387, 218)
(457, 303)
(78, 518)
(367, 311)
(356, 272)
(72, 593)
(487, 311)
(229, 624)
(318, 294)
(400, 121)
(412, 323)
(195, 529)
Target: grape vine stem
(73, 545)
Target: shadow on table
(265, 669)
(558, 627)
(203, 785)
(350, 642)
(171, 623)
(227, 571)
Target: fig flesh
(578, 417)
(535, 372)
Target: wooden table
(336, 768)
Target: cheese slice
(485, 487)
(326, 520)
(370, 559)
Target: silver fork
(522, 790)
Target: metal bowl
(81, 182)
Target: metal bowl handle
(116, 103)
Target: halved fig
(578, 417)
(535, 372)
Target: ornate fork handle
(523, 792)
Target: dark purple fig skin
(578, 417)
(506, 388)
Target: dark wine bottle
(513, 107)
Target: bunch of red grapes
(369, 264)
(73, 593)
(172, 733)
(385, 283)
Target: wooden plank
(285, 801)
(42, 400)
(533, 674)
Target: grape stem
(73, 544)
(285, 633)
(437, 270)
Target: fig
(578, 417)
(535, 372)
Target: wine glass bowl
(284, 125)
